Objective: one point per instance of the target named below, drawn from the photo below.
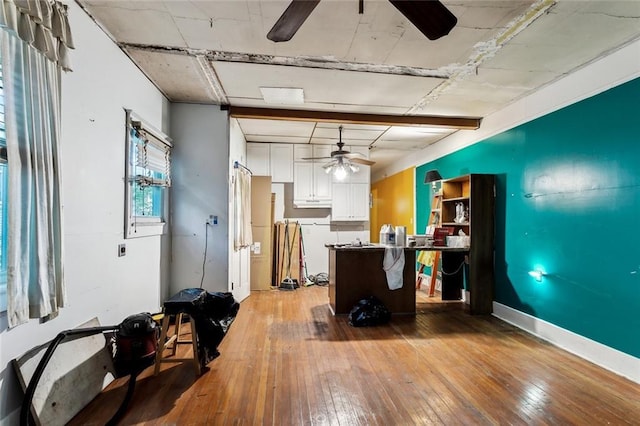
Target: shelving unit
(436, 210)
(456, 191)
(476, 194)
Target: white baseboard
(604, 356)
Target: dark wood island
(356, 273)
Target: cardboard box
(261, 263)
(261, 260)
(261, 201)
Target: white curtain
(41, 23)
(35, 285)
(242, 208)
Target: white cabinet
(300, 152)
(351, 195)
(271, 159)
(350, 202)
(311, 185)
(322, 152)
(258, 159)
(281, 162)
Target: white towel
(393, 265)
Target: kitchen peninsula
(355, 272)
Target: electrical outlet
(122, 250)
(212, 220)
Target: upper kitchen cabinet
(281, 162)
(350, 202)
(271, 159)
(311, 185)
(258, 159)
(351, 195)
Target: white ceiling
(216, 52)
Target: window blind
(152, 154)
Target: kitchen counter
(355, 272)
(381, 247)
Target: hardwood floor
(287, 361)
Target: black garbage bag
(369, 312)
(212, 312)
(213, 317)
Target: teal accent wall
(568, 202)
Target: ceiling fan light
(354, 168)
(340, 172)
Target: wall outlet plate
(122, 249)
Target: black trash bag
(213, 317)
(369, 312)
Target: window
(3, 202)
(149, 176)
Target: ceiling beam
(464, 123)
(313, 62)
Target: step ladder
(434, 261)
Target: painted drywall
(200, 178)
(99, 283)
(393, 202)
(567, 197)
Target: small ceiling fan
(342, 158)
(431, 17)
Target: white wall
(99, 284)
(201, 185)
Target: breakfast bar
(356, 272)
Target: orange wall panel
(393, 202)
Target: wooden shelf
(480, 278)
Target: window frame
(4, 240)
(142, 226)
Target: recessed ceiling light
(282, 95)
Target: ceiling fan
(431, 17)
(342, 161)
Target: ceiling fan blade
(316, 158)
(361, 161)
(290, 21)
(431, 17)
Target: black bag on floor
(213, 317)
(369, 312)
